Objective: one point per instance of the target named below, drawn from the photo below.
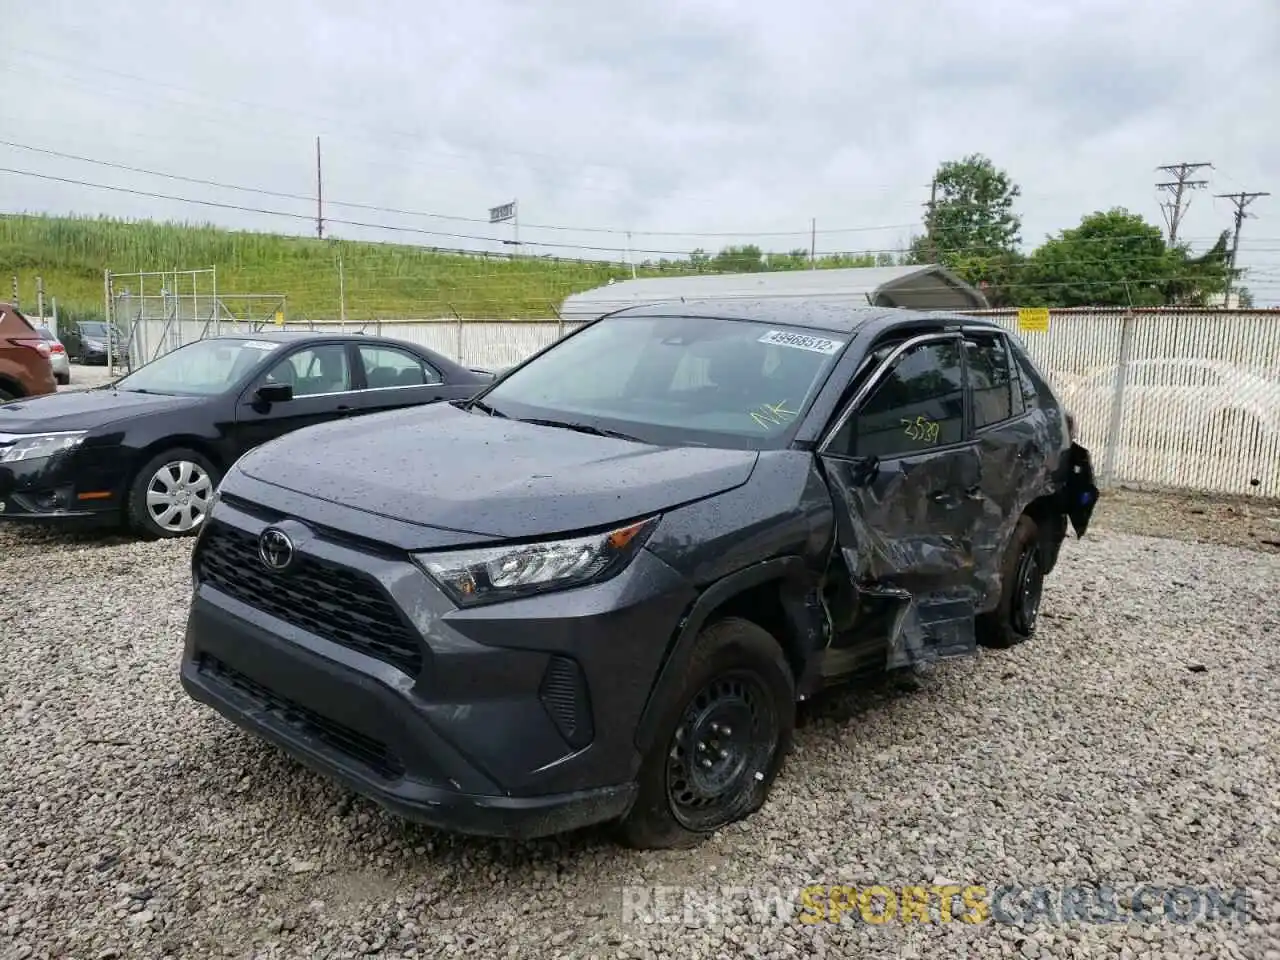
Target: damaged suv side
(597, 590)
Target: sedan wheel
(172, 494)
(178, 496)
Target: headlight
(490, 574)
(32, 447)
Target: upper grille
(337, 603)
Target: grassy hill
(382, 281)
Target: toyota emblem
(275, 549)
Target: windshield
(93, 329)
(202, 368)
(676, 380)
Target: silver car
(58, 358)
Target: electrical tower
(1178, 186)
(1240, 200)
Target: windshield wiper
(481, 405)
(583, 428)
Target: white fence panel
(1195, 407)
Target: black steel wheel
(724, 741)
(1028, 590)
(1014, 619)
(724, 723)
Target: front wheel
(1013, 621)
(172, 494)
(722, 740)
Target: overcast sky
(668, 118)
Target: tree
(745, 259)
(1116, 258)
(973, 214)
(1198, 280)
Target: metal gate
(154, 312)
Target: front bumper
(80, 487)
(516, 720)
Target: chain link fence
(1165, 399)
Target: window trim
(873, 381)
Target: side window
(315, 370)
(1028, 382)
(918, 405)
(990, 380)
(389, 367)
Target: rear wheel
(1022, 574)
(722, 740)
(172, 494)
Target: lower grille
(371, 753)
(342, 605)
(564, 697)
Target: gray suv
(597, 590)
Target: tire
(1022, 575)
(188, 472)
(6, 396)
(737, 673)
(63, 379)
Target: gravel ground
(1133, 742)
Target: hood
(83, 410)
(442, 467)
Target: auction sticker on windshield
(261, 345)
(802, 341)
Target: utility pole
(1178, 186)
(1241, 200)
(932, 206)
(813, 243)
(16, 304)
(40, 300)
(319, 195)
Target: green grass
(382, 281)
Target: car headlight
(37, 445)
(489, 574)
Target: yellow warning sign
(1033, 319)
(280, 318)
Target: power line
(453, 236)
(399, 211)
(1173, 210)
(1241, 200)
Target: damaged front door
(906, 479)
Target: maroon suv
(25, 370)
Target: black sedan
(149, 449)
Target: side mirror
(275, 393)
